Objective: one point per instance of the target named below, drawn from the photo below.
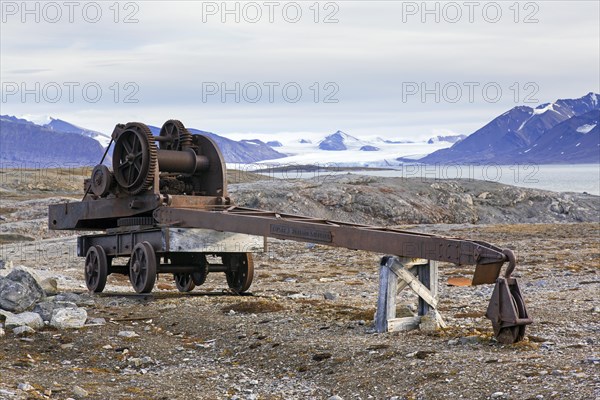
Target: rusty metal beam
(332, 233)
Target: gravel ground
(285, 340)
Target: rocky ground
(305, 331)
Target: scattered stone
(429, 322)
(49, 286)
(19, 290)
(140, 362)
(97, 321)
(84, 299)
(537, 339)
(335, 397)
(23, 330)
(421, 354)
(498, 395)
(30, 319)
(26, 387)
(71, 297)
(326, 280)
(128, 334)
(46, 308)
(330, 296)
(589, 360)
(295, 296)
(469, 339)
(80, 392)
(596, 310)
(321, 356)
(68, 318)
(2, 333)
(453, 342)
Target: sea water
(559, 178)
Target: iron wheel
(199, 276)
(96, 269)
(184, 282)
(142, 269)
(240, 272)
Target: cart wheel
(199, 276)
(184, 282)
(142, 269)
(240, 272)
(96, 269)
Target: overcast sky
(390, 69)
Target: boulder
(46, 308)
(80, 299)
(29, 319)
(23, 331)
(50, 286)
(19, 290)
(68, 318)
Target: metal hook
(512, 262)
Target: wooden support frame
(397, 273)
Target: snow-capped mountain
(446, 138)
(575, 140)
(28, 145)
(512, 136)
(59, 125)
(62, 143)
(566, 131)
(238, 152)
(343, 149)
(340, 141)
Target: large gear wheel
(180, 137)
(135, 158)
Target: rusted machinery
(166, 209)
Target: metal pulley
(507, 310)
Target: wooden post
(428, 275)
(392, 269)
(386, 303)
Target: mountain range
(566, 131)
(61, 143)
(28, 145)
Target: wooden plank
(404, 324)
(412, 281)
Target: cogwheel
(180, 137)
(134, 158)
